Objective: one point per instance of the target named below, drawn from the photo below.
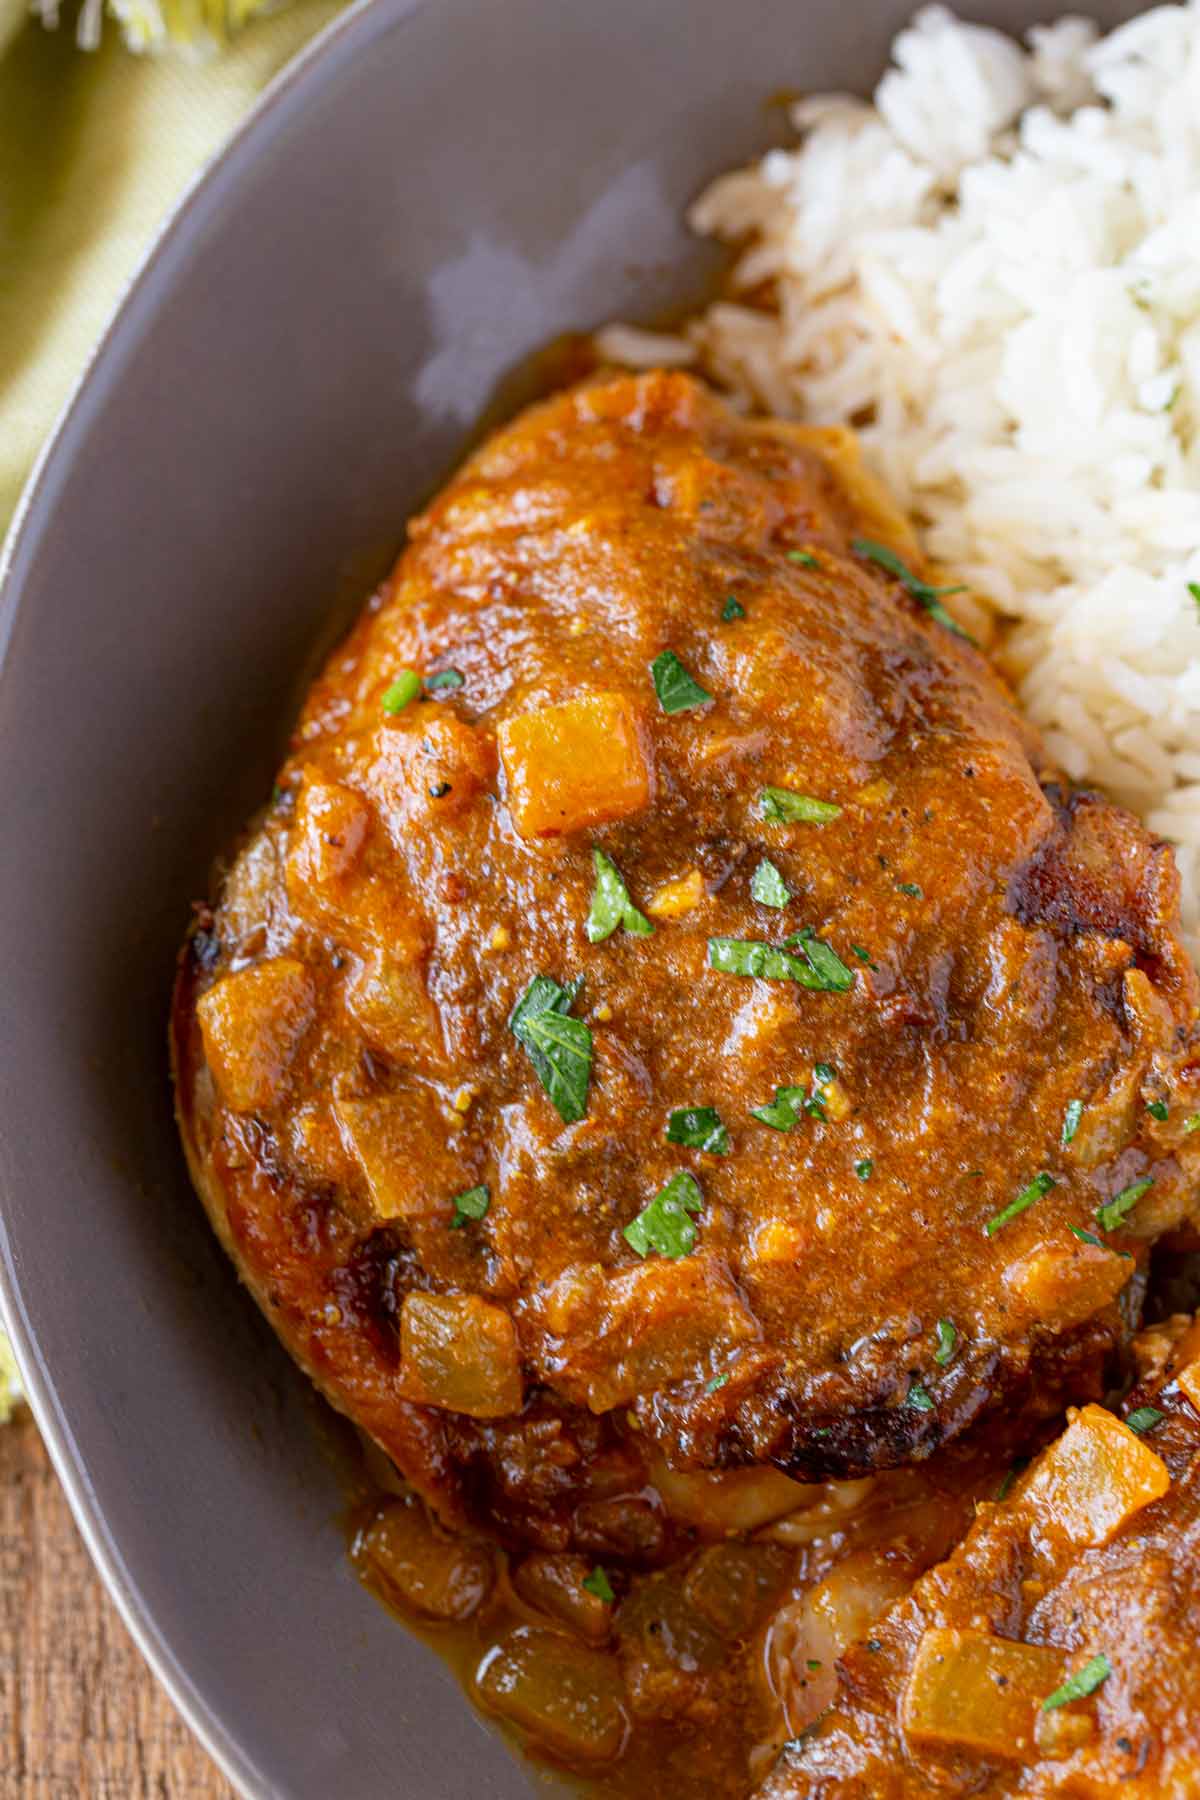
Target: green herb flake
(911, 889)
(947, 1341)
(700, 1128)
(780, 806)
(750, 957)
(813, 1663)
(732, 609)
(1084, 1681)
(1010, 1475)
(718, 1381)
(863, 955)
(1086, 1237)
(1158, 1109)
(677, 691)
(1192, 1122)
(405, 688)
(1040, 1185)
(472, 1204)
(864, 1169)
(1193, 588)
(804, 558)
(825, 1073)
(1071, 1118)
(444, 681)
(767, 885)
(824, 961)
(1114, 1210)
(559, 1047)
(663, 1224)
(1143, 1419)
(784, 1111)
(921, 592)
(919, 1398)
(598, 1583)
(611, 906)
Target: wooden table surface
(81, 1716)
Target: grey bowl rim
(342, 38)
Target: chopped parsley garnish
(748, 956)
(406, 687)
(1010, 1475)
(1086, 1237)
(611, 905)
(812, 1662)
(663, 1224)
(598, 1583)
(472, 1204)
(718, 1381)
(1084, 1681)
(733, 608)
(1158, 1109)
(676, 689)
(1192, 1122)
(767, 885)
(922, 593)
(805, 558)
(919, 1398)
(824, 1073)
(911, 889)
(784, 1111)
(700, 1128)
(1144, 1418)
(864, 956)
(864, 1169)
(559, 1047)
(1193, 588)
(780, 806)
(444, 680)
(823, 960)
(1114, 1210)
(1041, 1184)
(1071, 1120)
(947, 1341)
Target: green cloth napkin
(95, 148)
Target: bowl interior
(436, 193)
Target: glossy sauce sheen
(347, 1071)
(1089, 1563)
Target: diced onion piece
(1093, 1478)
(719, 1501)
(553, 1584)
(329, 830)
(1060, 1285)
(460, 1352)
(733, 1585)
(389, 1002)
(1189, 1383)
(971, 1691)
(408, 1171)
(251, 1024)
(578, 764)
(567, 1696)
(428, 768)
(629, 1332)
(417, 1566)
(675, 898)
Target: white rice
(996, 266)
